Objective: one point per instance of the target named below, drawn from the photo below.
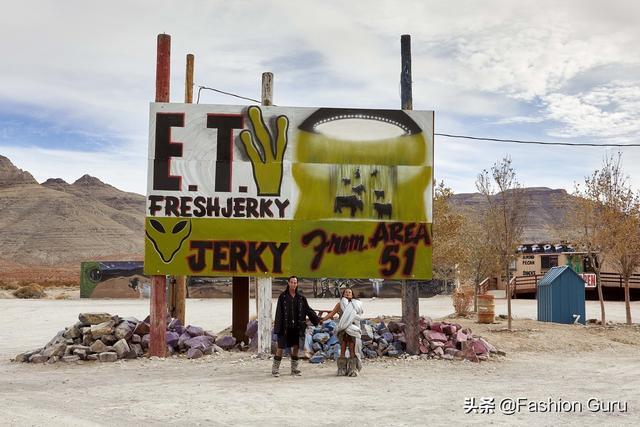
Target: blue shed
(561, 296)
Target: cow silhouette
(351, 202)
(358, 190)
(379, 194)
(346, 181)
(382, 209)
(357, 174)
(375, 172)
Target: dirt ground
(544, 362)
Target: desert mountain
(546, 212)
(58, 223)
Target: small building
(561, 296)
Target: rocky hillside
(58, 223)
(546, 212)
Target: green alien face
(167, 235)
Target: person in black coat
(290, 325)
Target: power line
(224, 93)
(517, 141)
(448, 135)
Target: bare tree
(505, 215)
(604, 200)
(626, 251)
(448, 225)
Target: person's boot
(294, 366)
(275, 369)
(352, 367)
(342, 366)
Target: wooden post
(188, 80)
(240, 308)
(264, 315)
(158, 300)
(264, 285)
(410, 291)
(179, 284)
(157, 338)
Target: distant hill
(57, 223)
(546, 210)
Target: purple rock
(172, 338)
(145, 341)
(449, 329)
(252, 329)
(479, 347)
(175, 323)
(182, 341)
(226, 342)
(194, 331)
(194, 353)
(388, 336)
(202, 342)
(436, 326)
(436, 336)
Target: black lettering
(238, 208)
(379, 235)
(213, 206)
(198, 262)
(224, 143)
(153, 204)
(277, 252)
(423, 234)
(255, 256)
(165, 149)
(226, 212)
(252, 211)
(281, 207)
(220, 255)
(171, 206)
(237, 252)
(265, 208)
(199, 203)
(185, 206)
(409, 237)
(395, 232)
(319, 249)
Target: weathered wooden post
(158, 300)
(410, 291)
(265, 284)
(179, 309)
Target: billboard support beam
(158, 300)
(264, 285)
(410, 291)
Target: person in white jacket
(349, 332)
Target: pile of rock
(107, 338)
(440, 340)
(446, 340)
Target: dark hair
(352, 292)
(291, 277)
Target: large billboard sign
(274, 191)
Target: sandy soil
(544, 361)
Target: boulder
(55, 350)
(182, 341)
(226, 342)
(252, 329)
(436, 336)
(395, 327)
(447, 356)
(172, 338)
(70, 358)
(121, 348)
(93, 318)
(72, 332)
(108, 356)
(436, 326)
(142, 329)
(321, 337)
(449, 329)
(24, 357)
(137, 348)
(333, 340)
(131, 354)
(145, 341)
(438, 351)
(100, 329)
(38, 358)
(201, 342)
(82, 354)
(123, 331)
(317, 358)
(451, 351)
(136, 339)
(424, 349)
(175, 324)
(367, 332)
(461, 336)
(98, 347)
(194, 331)
(92, 357)
(194, 353)
(316, 346)
(479, 347)
(488, 346)
(388, 336)
(109, 339)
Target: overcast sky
(77, 76)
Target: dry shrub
(30, 291)
(9, 286)
(462, 299)
(62, 296)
